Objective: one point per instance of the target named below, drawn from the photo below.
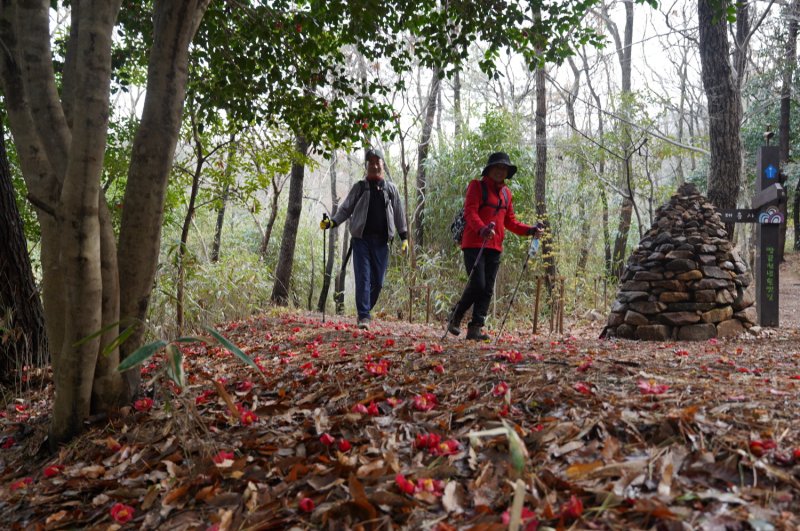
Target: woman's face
(497, 173)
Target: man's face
(497, 173)
(374, 166)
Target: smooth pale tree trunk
(273, 215)
(422, 156)
(457, 114)
(182, 245)
(283, 273)
(19, 297)
(724, 109)
(175, 23)
(225, 193)
(789, 67)
(332, 237)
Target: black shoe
(454, 324)
(475, 333)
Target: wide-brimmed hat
(500, 158)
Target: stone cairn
(684, 281)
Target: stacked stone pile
(684, 281)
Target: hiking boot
(454, 323)
(363, 323)
(475, 333)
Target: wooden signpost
(767, 214)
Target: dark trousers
(370, 259)
(480, 288)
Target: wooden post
(536, 303)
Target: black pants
(480, 288)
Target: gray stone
(748, 315)
(717, 315)
(665, 248)
(708, 249)
(647, 307)
(655, 256)
(625, 331)
(707, 259)
(674, 296)
(630, 296)
(745, 279)
(716, 272)
(615, 319)
(619, 307)
(670, 285)
(680, 255)
(727, 265)
(679, 318)
(654, 333)
(635, 285)
(636, 319)
(691, 306)
(681, 264)
(724, 297)
(710, 283)
(729, 328)
(741, 267)
(685, 247)
(697, 332)
(664, 237)
(647, 275)
(705, 295)
(744, 297)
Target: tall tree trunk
(283, 273)
(724, 109)
(273, 215)
(789, 67)
(326, 280)
(422, 156)
(19, 296)
(225, 193)
(174, 25)
(625, 54)
(457, 115)
(182, 245)
(540, 186)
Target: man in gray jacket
(376, 214)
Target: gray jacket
(356, 205)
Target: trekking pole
(490, 226)
(532, 250)
(325, 263)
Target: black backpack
(460, 223)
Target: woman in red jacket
(488, 200)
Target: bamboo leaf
(141, 354)
(222, 340)
(96, 334)
(175, 365)
(120, 339)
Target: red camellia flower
(583, 388)
(759, 448)
(222, 456)
(434, 486)
(394, 402)
(344, 445)
(53, 470)
(448, 447)
(585, 366)
(143, 404)
(500, 389)
(499, 367)
(573, 508)
(512, 356)
(244, 386)
(373, 410)
(203, 397)
(405, 485)
(420, 347)
(248, 417)
(388, 343)
(649, 387)
(327, 439)
(379, 368)
(437, 348)
(306, 505)
(21, 483)
(528, 517)
(425, 402)
(427, 440)
(360, 408)
(438, 369)
(122, 513)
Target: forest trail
(790, 292)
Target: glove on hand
(536, 230)
(326, 223)
(404, 247)
(486, 232)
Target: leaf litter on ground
(395, 428)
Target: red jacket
(478, 215)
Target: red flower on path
(360, 408)
(143, 404)
(389, 343)
(122, 513)
(438, 369)
(222, 456)
(448, 447)
(244, 386)
(583, 388)
(420, 347)
(649, 387)
(344, 445)
(573, 508)
(21, 483)
(759, 448)
(437, 348)
(327, 439)
(248, 417)
(394, 402)
(425, 402)
(53, 471)
(500, 389)
(306, 505)
(434, 486)
(528, 518)
(427, 440)
(405, 485)
(373, 410)
(379, 368)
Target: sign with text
(768, 236)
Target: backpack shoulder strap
(484, 193)
(506, 196)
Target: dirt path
(790, 292)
